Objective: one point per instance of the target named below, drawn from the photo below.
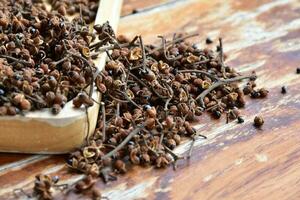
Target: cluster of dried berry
(86, 8)
(150, 96)
(44, 58)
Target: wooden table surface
(237, 161)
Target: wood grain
(131, 6)
(237, 161)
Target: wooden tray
(42, 132)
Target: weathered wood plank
(237, 161)
(131, 6)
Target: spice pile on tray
(44, 58)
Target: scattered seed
(258, 121)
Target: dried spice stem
(222, 57)
(110, 47)
(130, 100)
(163, 40)
(15, 59)
(162, 135)
(201, 62)
(199, 72)
(219, 83)
(171, 93)
(88, 125)
(193, 144)
(173, 42)
(143, 52)
(117, 99)
(104, 121)
(221, 51)
(175, 156)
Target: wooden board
(137, 6)
(237, 161)
(43, 132)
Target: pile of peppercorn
(150, 96)
(44, 58)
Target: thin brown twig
(173, 42)
(130, 100)
(40, 101)
(110, 47)
(201, 96)
(198, 72)
(163, 40)
(200, 62)
(193, 144)
(162, 135)
(88, 125)
(171, 94)
(117, 99)
(222, 57)
(104, 121)
(15, 59)
(221, 50)
(143, 51)
(175, 156)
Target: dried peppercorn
(258, 121)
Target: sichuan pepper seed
(258, 121)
